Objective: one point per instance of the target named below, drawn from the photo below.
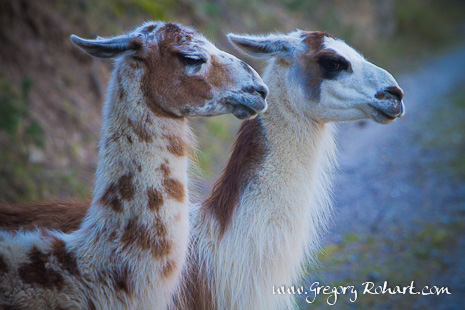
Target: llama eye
(331, 65)
(191, 60)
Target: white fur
(282, 215)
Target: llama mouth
(382, 116)
(245, 107)
(242, 111)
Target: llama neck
(297, 172)
(279, 215)
(137, 225)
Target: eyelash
(333, 65)
(192, 60)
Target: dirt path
(391, 199)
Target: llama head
(180, 73)
(327, 79)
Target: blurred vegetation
(22, 178)
(395, 34)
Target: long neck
(136, 230)
(262, 239)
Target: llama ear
(108, 48)
(260, 46)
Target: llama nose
(262, 90)
(396, 92)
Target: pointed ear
(261, 46)
(108, 48)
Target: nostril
(263, 91)
(262, 94)
(396, 92)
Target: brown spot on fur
(174, 189)
(3, 265)
(176, 145)
(159, 228)
(162, 60)
(137, 234)
(122, 280)
(137, 165)
(110, 198)
(169, 269)
(165, 170)
(150, 28)
(126, 187)
(308, 64)
(64, 257)
(196, 292)
(129, 139)
(217, 74)
(64, 216)
(161, 248)
(36, 272)
(140, 132)
(112, 139)
(248, 153)
(155, 199)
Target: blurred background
(400, 191)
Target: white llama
(268, 210)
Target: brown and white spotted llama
(266, 214)
(131, 246)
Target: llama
(65, 216)
(268, 210)
(130, 249)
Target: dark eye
(332, 65)
(192, 60)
